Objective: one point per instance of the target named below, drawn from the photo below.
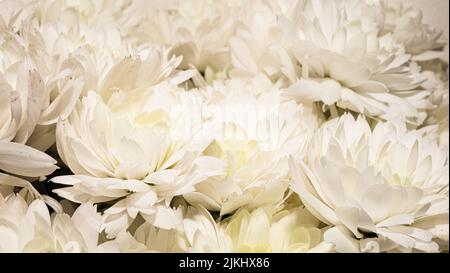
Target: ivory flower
(145, 237)
(21, 99)
(407, 27)
(254, 134)
(435, 69)
(223, 126)
(261, 230)
(29, 227)
(41, 83)
(9, 183)
(197, 30)
(358, 180)
(148, 238)
(346, 62)
(127, 147)
(67, 57)
(203, 232)
(286, 231)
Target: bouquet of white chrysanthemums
(222, 126)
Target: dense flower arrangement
(222, 126)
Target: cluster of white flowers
(222, 126)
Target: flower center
(237, 153)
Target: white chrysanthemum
(197, 30)
(407, 27)
(72, 59)
(440, 99)
(148, 238)
(261, 230)
(255, 132)
(90, 12)
(257, 46)
(90, 32)
(29, 227)
(346, 61)
(142, 236)
(375, 187)
(45, 67)
(435, 69)
(21, 102)
(203, 233)
(69, 55)
(130, 147)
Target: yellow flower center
(236, 152)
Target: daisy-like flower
(384, 189)
(125, 144)
(254, 133)
(347, 62)
(261, 230)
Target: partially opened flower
(254, 133)
(374, 186)
(347, 62)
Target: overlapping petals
(222, 126)
(369, 185)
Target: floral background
(224, 126)
(435, 12)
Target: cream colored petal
(23, 160)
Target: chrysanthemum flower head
(374, 186)
(254, 132)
